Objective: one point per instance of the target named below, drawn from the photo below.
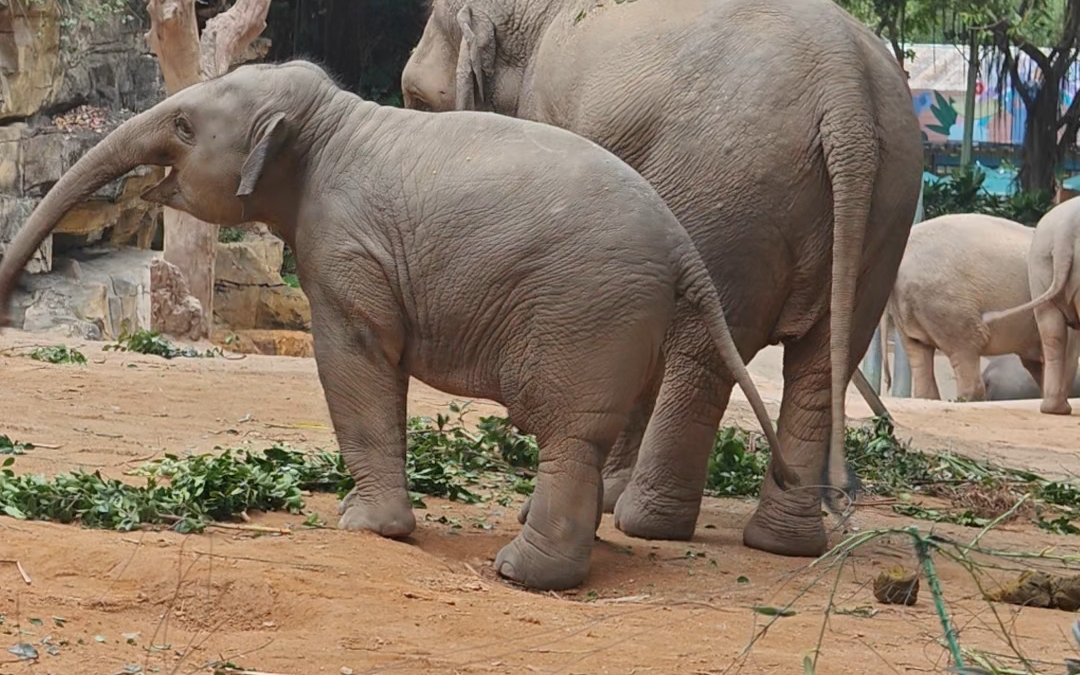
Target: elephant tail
(851, 150)
(695, 285)
(1062, 256)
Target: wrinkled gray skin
(955, 268)
(1006, 379)
(1054, 284)
(486, 256)
(748, 118)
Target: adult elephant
(782, 134)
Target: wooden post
(186, 59)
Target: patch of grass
(58, 354)
(150, 342)
(291, 280)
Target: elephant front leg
(366, 396)
(1054, 336)
(552, 550)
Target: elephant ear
(476, 60)
(266, 149)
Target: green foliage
(733, 469)
(888, 468)
(153, 343)
(288, 264)
(58, 354)
(230, 235)
(962, 193)
(446, 459)
(10, 447)
(188, 493)
(291, 280)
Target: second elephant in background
(955, 268)
(1006, 379)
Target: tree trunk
(185, 59)
(1039, 155)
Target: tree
(187, 58)
(1046, 31)
(896, 21)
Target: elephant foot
(614, 485)
(526, 563)
(392, 516)
(644, 514)
(790, 524)
(1055, 408)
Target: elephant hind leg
(1035, 368)
(1055, 343)
(619, 468)
(552, 550)
(969, 382)
(921, 357)
(789, 522)
(663, 498)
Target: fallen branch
(18, 566)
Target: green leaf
(772, 611)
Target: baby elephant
(955, 268)
(1006, 379)
(1054, 285)
(484, 255)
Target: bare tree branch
(174, 39)
(1014, 72)
(228, 34)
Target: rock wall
(62, 88)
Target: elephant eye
(184, 128)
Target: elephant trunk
(141, 140)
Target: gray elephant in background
(757, 122)
(1006, 379)
(955, 268)
(1054, 286)
(486, 256)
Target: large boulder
(267, 342)
(249, 291)
(173, 309)
(99, 293)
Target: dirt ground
(325, 601)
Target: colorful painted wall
(938, 80)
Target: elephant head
(473, 54)
(231, 143)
